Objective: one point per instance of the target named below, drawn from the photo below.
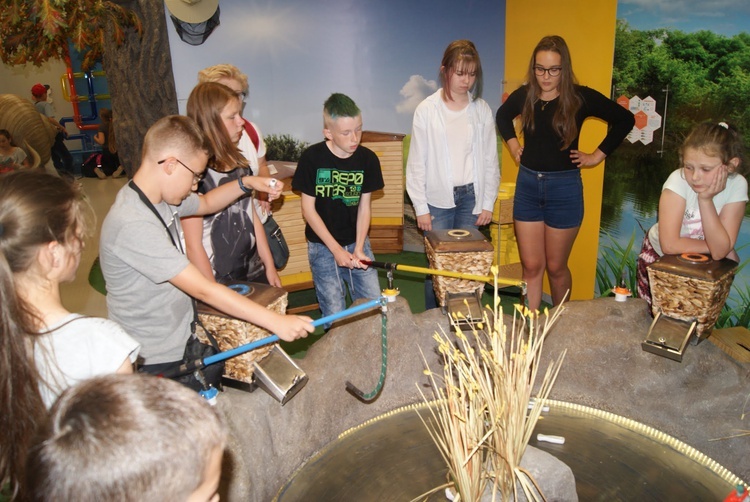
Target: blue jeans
(447, 219)
(459, 216)
(331, 281)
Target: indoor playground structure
(87, 92)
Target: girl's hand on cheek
(718, 183)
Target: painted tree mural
(128, 36)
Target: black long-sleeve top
(541, 149)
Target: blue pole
(227, 354)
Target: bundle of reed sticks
(482, 418)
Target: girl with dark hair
(230, 245)
(44, 348)
(105, 137)
(548, 204)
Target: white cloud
(414, 91)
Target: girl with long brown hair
(548, 204)
(230, 245)
(44, 348)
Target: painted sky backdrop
(384, 54)
(725, 17)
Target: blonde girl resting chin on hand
(702, 203)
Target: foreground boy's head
(128, 438)
(174, 157)
(342, 124)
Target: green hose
(384, 361)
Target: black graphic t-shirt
(337, 185)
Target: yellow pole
(460, 275)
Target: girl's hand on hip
(583, 159)
(517, 155)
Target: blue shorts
(556, 198)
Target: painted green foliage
(708, 75)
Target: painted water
(630, 201)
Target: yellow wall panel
(588, 26)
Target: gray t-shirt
(138, 259)
(45, 108)
(78, 348)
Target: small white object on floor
(545, 409)
(550, 439)
(449, 494)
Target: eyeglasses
(197, 177)
(553, 71)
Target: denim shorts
(556, 198)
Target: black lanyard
(149, 205)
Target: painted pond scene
(692, 78)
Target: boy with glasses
(149, 279)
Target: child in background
(105, 137)
(12, 158)
(702, 203)
(43, 347)
(151, 284)
(231, 244)
(120, 439)
(61, 157)
(337, 177)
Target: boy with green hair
(336, 178)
